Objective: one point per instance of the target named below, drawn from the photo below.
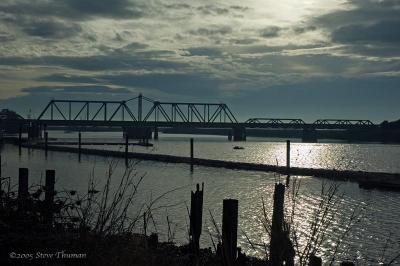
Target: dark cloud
(214, 30)
(213, 10)
(96, 63)
(270, 32)
(77, 9)
(178, 6)
(239, 8)
(303, 29)
(245, 41)
(364, 12)
(386, 31)
(193, 84)
(370, 27)
(381, 50)
(75, 90)
(51, 29)
(68, 78)
(115, 8)
(204, 51)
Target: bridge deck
(163, 124)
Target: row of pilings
(369, 180)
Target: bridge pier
(34, 131)
(155, 136)
(140, 133)
(309, 135)
(239, 133)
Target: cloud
(386, 31)
(270, 32)
(212, 30)
(51, 29)
(96, 63)
(204, 51)
(76, 9)
(194, 49)
(188, 84)
(303, 29)
(213, 10)
(92, 89)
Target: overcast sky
(266, 58)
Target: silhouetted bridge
(142, 112)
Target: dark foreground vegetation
(42, 226)
(108, 226)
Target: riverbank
(370, 180)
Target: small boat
(238, 148)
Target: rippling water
(379, 226)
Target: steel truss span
(146, 110)
(140, 111)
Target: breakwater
(377, 180)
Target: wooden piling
(79, 145)
(191, 154)
(288, 154)
(23, 188)
(46, 143)
(276, 250)
(126, 148)
(20, 140)
(229, 231)
(196, 218)
(49, 196)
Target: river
(377, 227)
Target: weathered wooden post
(79, 145)
(126, 148)
(288, 154)
(49, 196)
(196, 217)
(229, 231)
(191, 154)
(276, 250)
(20, 140)
(46, 139)
(23, 188)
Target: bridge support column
(239, 134)
(230, 136)
(155, 137)
(140, 133)
(309, 135)
(34, 131)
